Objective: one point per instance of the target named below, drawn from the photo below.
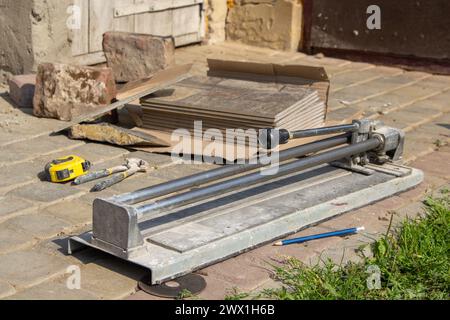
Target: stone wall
(16, 52)
(32, 32)
(274, 24)
(216, 13)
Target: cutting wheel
(190, 284)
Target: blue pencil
(320, 236)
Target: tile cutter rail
(185, 224)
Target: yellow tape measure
(66, 169)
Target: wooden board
(80, 37)
(102, 20)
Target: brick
(45, 192)
(135, 56)
(21, 90)
(6, 289)
(28, 268)
(66, 91)
(53, 290)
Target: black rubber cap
(271, 138)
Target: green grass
(413, 262)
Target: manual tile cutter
(174, 234)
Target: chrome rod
(224, 187)
(225, 171)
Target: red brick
(21, 90)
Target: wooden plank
(159, 81)
(186, 20)
(102, 20)
(80, 37)
(156, 23)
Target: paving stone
(416, 146)
(91, 196)
(244, 271)
(349, 78)
(217, 289)
(53, 290)
(154, 159)
(344, 115)
(95, 152)
(339, 256)
(435, 164)
(37, 225)
(269, 255)
(410, 211)
(19, 174)
(26, 150)
(417, 193)
(105, 283)
(13, 240)
(439, 101)
(179, 170)
(376, 87)
(29, 267)
(415, 91)
(45, 192)
(6, 289)
(142, 296)
(140, 181)
(73, 212)
(403, 119)
(435, 82)
(10, 205)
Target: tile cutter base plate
(199, 235)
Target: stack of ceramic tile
(222, 104)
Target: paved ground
(36, 216)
